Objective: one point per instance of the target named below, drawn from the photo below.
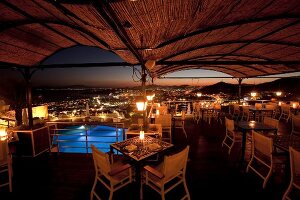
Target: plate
(130, 147)
(154, 147)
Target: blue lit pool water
(74, 140)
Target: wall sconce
(141, 103)
(3, 133)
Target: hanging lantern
(150, 96)
(141, 103)
(253, 94)
(278, 93)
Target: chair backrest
(183, 114)
(295, 125)
(155, 128)
(217, 106)
(270, 107)
(285, 108)
(164, 120)
(229, 123)
(294, 162)
(140, 121)
(245, 109)
(163, 110)
(197, 107)
(134, 128)
(271, 122)
(262, 145)
(175, 164)
(236, 108)
(101, 161)
(258, 106)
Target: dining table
(283, 142)
(247, 126)
(138, 151)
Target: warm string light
(199, 94)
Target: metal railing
(78, 136)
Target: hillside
(287, 85)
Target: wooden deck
(211, 173)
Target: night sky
(110, 76)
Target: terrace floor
(211, 173)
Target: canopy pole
(144, 77)
(240, 89)
(27, 76)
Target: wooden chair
(155, 129)
(5, 164)
(271, 122)
(196, 112)
(262, 159)
(179, 123)
(236, 112)
(166, 123)
(246, 113)
(112, 175)
(133, 130)
(295, 125)
(295, 172)
(170, 173)
(232, 136)
(285, 112)
(270, 112)
(163, 110)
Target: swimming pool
(78, 139)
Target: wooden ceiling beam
(220, 62)
(265, 35)
(230, 42)
(222, 26)
(111, 19)
(30, 17)
(169, 69)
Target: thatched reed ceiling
(242, 38)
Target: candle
(252, 123)
(142, 135)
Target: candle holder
(142, 137)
